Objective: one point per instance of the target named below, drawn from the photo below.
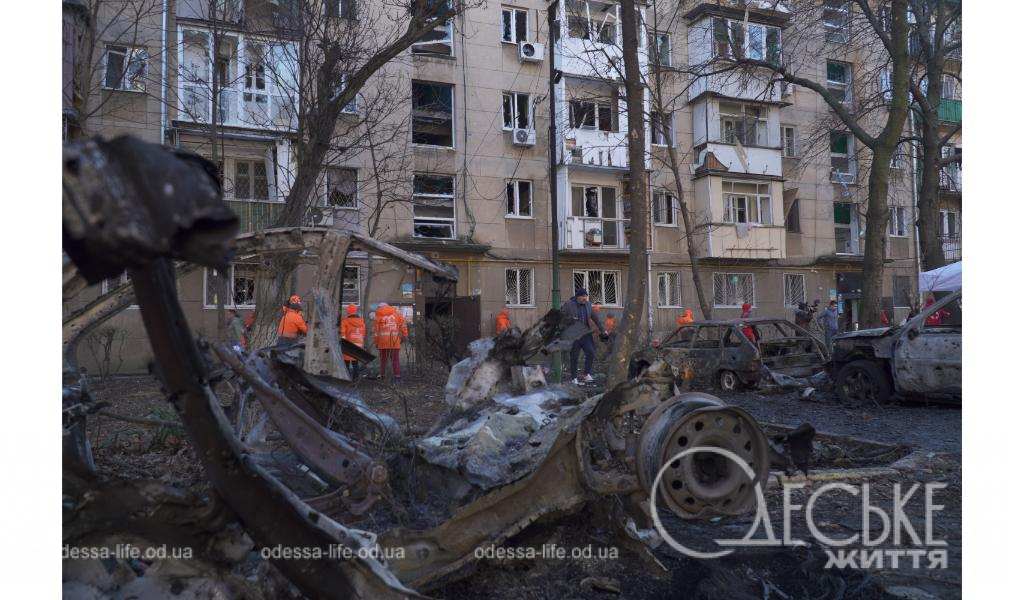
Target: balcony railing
(588, 233)
(951, 247)
(254, 215)
(950, 110)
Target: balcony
(951, 247)
(254, 215)
(585, 233)
(950, 110)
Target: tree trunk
(874, 239)
(273, 286)
(636, 190)
(929, 233)
(691, 241)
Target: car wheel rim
(861, 386)
(728, 381)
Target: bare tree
(934, 41)
(336, 55)
(636, 192)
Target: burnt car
(919, 358)
(722, 352)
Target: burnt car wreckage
(510, 450)
(922, 357)
(720, 352)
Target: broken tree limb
(323, 352)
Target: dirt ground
(132, 450)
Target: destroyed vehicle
(722, 352)
(918, 358)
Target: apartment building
(778, 220)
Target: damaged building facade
(779, 219)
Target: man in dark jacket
(579, 308)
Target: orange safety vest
(501, 322)
(609, 324)
(389, 328)
(292, 324)
(353, 329)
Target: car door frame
(928, 361)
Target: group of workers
(389, 331)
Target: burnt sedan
(736, 353)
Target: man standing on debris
(579, 308)
(292, 324)
(353, 329)
(388, 332)
(502, 322)
(829, 321)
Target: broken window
(514, 25)
(601, 286)
(669, 295)
(663, 208)
(342, 187)
(733, 290)
(433, 206)
(794, 288)
(839, 80)
(196, 67)
(743, 123)
(659, 49)
(593, 114)
(950, 87)
(519, 198)
(351, 286)
(847, 228)
(519, 287)
(432, 122)
(897, 221)
(753, 41)
(793, 217)
(517, 110)
(255, 95)
(747, 202)
(436, 41)
(240, 284)
(661, 128)
(125, 68)
(599, 206)
(592, 21)
(836, 18)
(789, 141)
(844, 167)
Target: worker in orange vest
(685, 319)
(353, 329)
(502, 322)
(610, 324)
(292, 324)
(388, 332)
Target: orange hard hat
(351, 309)
(295, 299)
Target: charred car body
(735, 353)
(919, 358)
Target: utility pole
(556, 300)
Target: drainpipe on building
(650, 248)
(163, 76)
(556, 301)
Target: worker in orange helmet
(353, 329)
(502, 322)
(292, 324)
(388, 332)
(685, 319)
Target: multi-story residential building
(777, 221)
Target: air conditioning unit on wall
(524, 137)
(531, 52)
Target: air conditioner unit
(524, 137)
(531, 52)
